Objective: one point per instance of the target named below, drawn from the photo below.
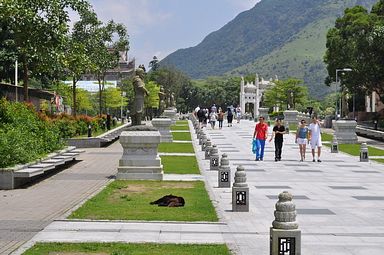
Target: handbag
(254, 146)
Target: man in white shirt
(315, 138)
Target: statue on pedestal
(140, 93)
(162, 104)
(172, 103)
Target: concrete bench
(11, 178)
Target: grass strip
(176, 148)
(180, 165)
(127, 249)
(181, 122)
(181, 136)
(354, 149)
(129, 200)
(379, 160)
(174, 127)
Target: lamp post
(337, 82)
(16, 75)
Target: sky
(159, 27)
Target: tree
(357, 42)
(290, 92)
(154, 64)
(113, 98)
(37, 33)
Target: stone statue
(162, 104)
(140, 92)
(172, 102)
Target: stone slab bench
(11, 178)
(370, 133)
(99, 141)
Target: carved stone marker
(285, 237)
(240, 191)
(208, 148)
(335, 145)
(345, 131)
(171, 114)
(214, 158)
(164, 127)
(140, 160)
(290, 116)
(224, 174)
(364, 153)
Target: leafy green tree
(289, 93)
(37, 33)
(114, 98)
(357, 42)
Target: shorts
(315, 143)
(302, 140)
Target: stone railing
(13, 177)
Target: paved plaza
(340, 202)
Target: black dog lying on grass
(170, 201)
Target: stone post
(214, 158)
(240, 191)
(208, 148)
(286, 127)
(164, 127)
(364, 153)
(171, 114)
(285, 237)
(140, 160)
(291, 116)
(224, 174)
(202, 135)
(264, 112)
(204, 142)
(345, 131)
(335, 145)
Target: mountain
(276, 37)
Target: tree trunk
(74, 96)
(100, 100)
(25, 79)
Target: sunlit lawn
(181, 136)
(176, 148)
(180, 165)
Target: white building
(251, 94)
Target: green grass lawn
(180, 165)
(181, 136)
(184, 127)
(354, 149)
(127, 249)
(176, 148)
(326, 137)
(129, 200)
(181, 122)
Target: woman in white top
(315, 138)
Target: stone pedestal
(291, 116)
(140, 160)
(7, 179)
(164, 127)
(285, 237)
(264, 112)
(171, 114)
(240, 191)
(345, 131)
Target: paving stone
(273, 187)
(315, 211)
(346, 187)
(369, 198)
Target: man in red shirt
(261, 134)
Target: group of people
(304, 135)
(214, 114)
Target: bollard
(335, 145)
(208, 148)
(89, 130)
(224, 174)
(287, 127)
(199, 133)
(202, 134)
(214, 158)
(240, 191)
(364, 153)
(285, 237)
(204, 142)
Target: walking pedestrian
(238, 114)
(315, 138)
(302, 138)
(212, 119)
(220, 118)
(278, 132)
(261, 134)
(200, 116)
(229, 116)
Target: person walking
(302, 138)
(220, 118)
(238, 114)
(229, 116)
(261, 134)
(278, 132)
(315, 138)
(212, 119)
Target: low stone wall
(370, 133)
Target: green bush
(23, 135)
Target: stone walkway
(340, 201)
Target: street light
(337, 81)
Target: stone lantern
(199, 133)
(202, 134)
(214, 158)
(240, 191)
(204, 142)
(285, 237)
(364, 153)
(208, 148)
(224, 174)
(335, 145)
